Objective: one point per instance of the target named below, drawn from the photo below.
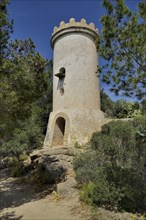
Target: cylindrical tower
(76, 91)
(75, 52)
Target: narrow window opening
(61, 76)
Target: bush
(121, 108)
(18, 170)
(23, 157)
(111, 172)
(12, 161)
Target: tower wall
(77, 54)
(76, 92)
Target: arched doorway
(59, 131)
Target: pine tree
(123, 48)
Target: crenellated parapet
(73, 26)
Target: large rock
(67, 188)
(51, 169)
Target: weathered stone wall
(79, 126)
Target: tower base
(68, 127)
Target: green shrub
(18, 170)
(125, 109)
(111, 172)
(85, 166)
(77, 145)
(121, 108)
(23, 157)
(86, 193)
(12, 161)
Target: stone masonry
(76, 91)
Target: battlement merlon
(74, 27)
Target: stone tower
(76, 92)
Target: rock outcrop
(58, 163)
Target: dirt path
(22, 201)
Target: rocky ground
(52, 202)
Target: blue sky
(37, 18)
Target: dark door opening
(59, 131)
